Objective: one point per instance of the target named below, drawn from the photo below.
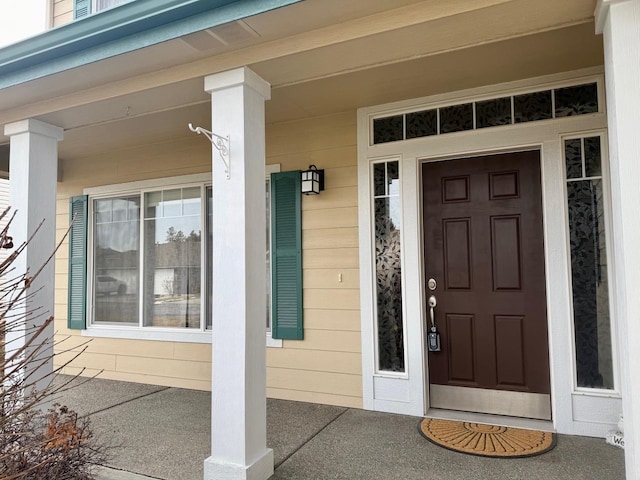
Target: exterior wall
(185, 365)
(62, 12)
(326, 366)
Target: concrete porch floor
(163, 433)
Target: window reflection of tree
(388, 289)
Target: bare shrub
(36, 443)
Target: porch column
(619, 22)
(33, 175)
(239, 402)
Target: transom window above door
(533, 106)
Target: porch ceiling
(321, 57)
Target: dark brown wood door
(483, 244)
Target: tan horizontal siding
(62, 205)
(342, 299)
(331, 319)
(316, 382)
(332, 198)
(141, 378)
(328, 340)
(321, 278)
(314, 360)
(61, 266)
(341, 176)
(60, 295)
(315, 137)
(62, 12)
(140, 162)
(170, 360)
(192, 351)
(135, 348)
(336, 218)
(325, 367)
(169, 367)
(330, 258)
(88, 360)
(60, 314)
(330, 237)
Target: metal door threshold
(501, 420)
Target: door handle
(432, 306)
(433, 338)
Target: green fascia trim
(122, 29)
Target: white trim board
(408, 394)
(116, 188)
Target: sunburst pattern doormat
(486, 440)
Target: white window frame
(138, 332)
(608, 231)
(377, 371)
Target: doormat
(486, 440)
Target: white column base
(261, 469)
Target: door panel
(505, 253)
(462, 347)
(457, 253)
(510, 360)
(483, 244)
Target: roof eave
(129, 27)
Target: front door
(484, 264)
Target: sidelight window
(587, 207)
(388, 291)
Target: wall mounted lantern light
(312, 181)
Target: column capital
(602, 11)
(32, 125)
(238, 76)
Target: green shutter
(286, 260)
(76, 313)
(81, 8)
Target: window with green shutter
(110, 283)
(76, 314)
(286, 266)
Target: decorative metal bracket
(222, 144)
